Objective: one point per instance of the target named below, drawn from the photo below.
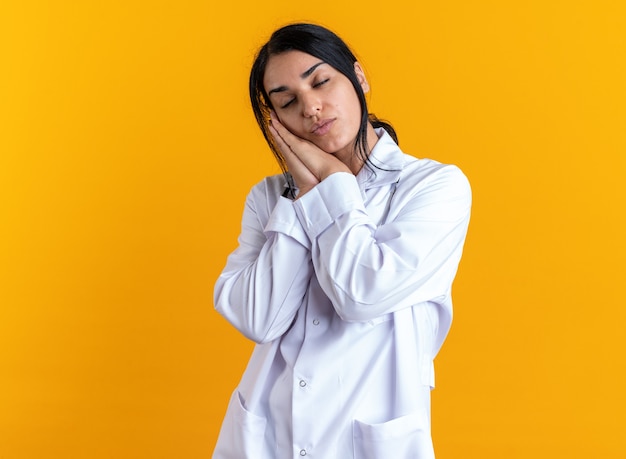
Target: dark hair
(325, 45)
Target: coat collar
(385, 164)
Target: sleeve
(266, 278)
(368, 270)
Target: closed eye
(316, 85)
(288, 103)
(321, 83)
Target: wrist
(304, 190)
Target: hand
(307, 163)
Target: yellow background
(127, 148)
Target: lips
(322, 127)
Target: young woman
(343, 271)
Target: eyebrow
(303, 75)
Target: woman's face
(315, 101)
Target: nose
(311, 105)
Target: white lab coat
(347, 293)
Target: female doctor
(343, 270)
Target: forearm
(266, 277)
(262, 297)
(368, 270)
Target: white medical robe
(347, 293)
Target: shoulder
(426, 182)
(424, 172)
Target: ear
(360, 75)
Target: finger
(290, 157)
(280, 142)
(301, 174)
(290, 139)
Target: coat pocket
(242, 434)
(406, 437)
